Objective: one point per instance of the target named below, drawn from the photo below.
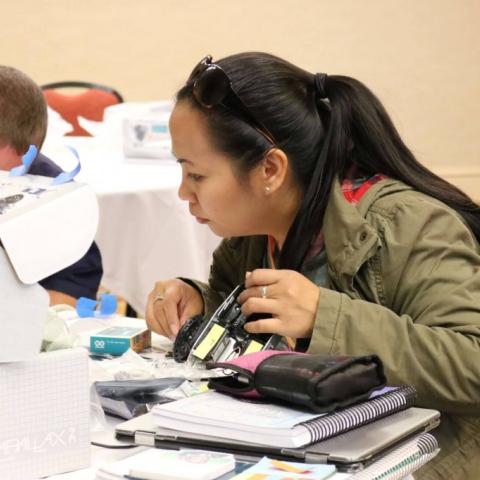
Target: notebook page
(212, 408)
(216, 414)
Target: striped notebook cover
(219, 415)
(403, 460)
(355, 416)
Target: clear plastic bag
(56, 334)
(129, 398)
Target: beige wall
(422, 57)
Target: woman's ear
(273, 171)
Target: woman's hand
(287, 295)
(170, 304)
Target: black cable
(96, 444)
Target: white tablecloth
(145, 232)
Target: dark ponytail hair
(321, 136)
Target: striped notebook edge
(402, 461)
(360, 414)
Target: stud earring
(268, 190)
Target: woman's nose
(185, 193)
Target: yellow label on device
(209, 342)
(253, 346)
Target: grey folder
(350, 451)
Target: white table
(145, 231)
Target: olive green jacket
(404, 283)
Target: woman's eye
(195, 177)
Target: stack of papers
(270, 424)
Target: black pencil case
(320, 383)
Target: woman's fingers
(162, 314)
(171, 322)
(260, 305)
(288, 296)
(191, 310)
(262, 276)
(161, 319)
(150, 316)
(257, 291)
(266, 325)
(261, 283)
(169, 306)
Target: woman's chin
(219, 231)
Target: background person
(23, 122)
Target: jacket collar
(349, 238)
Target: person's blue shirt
(82, 278)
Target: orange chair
(89, 103)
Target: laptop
(350, 452)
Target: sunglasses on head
(212, 87)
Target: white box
(44, 415)
(23, 312)
(147, 137)
(45, 227)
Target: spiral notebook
(351, 451)
(271, 424)
(403, 460)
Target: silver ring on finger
(263, 291)
(158, 298)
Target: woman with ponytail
(343, 239)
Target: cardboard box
(45, 415)
(117, 340)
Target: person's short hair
(23, 110)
